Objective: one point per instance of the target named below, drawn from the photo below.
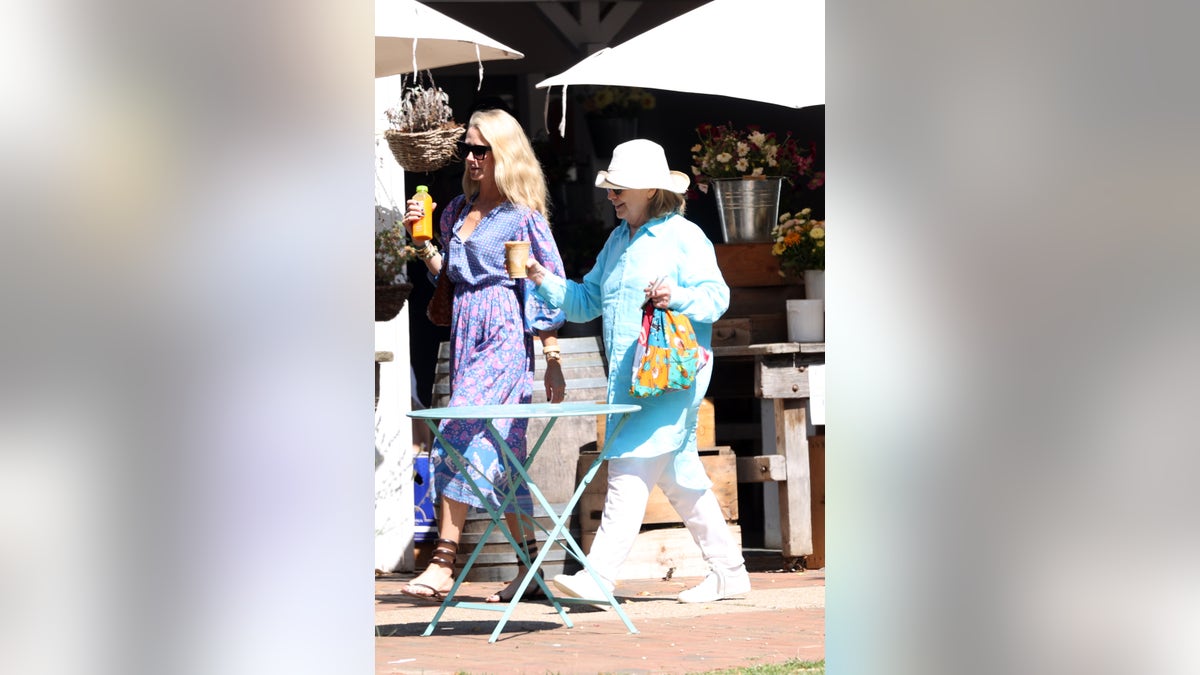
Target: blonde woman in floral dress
(494, 321)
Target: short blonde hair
(665, 202)
(519, 176)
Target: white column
(394, 507)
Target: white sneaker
(580, 585)
(717, 585)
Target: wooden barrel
(585, 370)
(497, 562)
(553, 470)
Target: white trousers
(630, 481)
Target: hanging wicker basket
(389, 300)
(424, 151)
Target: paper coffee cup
(515, 255)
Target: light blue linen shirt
(673, 247)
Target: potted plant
(615, 101)
(799, 243)
(393, 251)
(746, 168)
(423, 133)
(611, 114)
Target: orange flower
(799, 242)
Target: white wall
(394, 508)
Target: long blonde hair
(519, 176)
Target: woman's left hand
(658, 293)
(534, 271)
(556, 384)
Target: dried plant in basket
(423, 133)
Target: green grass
(790, 667)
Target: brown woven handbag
(441, 305)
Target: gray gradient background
(184, 468)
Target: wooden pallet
(666, 552)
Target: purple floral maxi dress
(491, 343)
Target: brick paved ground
(782, 618)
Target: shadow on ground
(463, 628)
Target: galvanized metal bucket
(749, 208)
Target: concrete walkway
(783, 617)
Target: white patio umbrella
(760, 50)
(410, 37)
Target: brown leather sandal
(444, 555)
(532, 592)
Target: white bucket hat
(639, 165)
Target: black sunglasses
(480, 151)
(616, 191)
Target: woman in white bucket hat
(659, 256)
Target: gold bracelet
(428, 251)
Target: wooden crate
(720, 463)
(761, 312)
(748, 265)
(665, 552)
(731, 332)
(816, 471)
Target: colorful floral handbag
(667, 357)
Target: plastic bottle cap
(422, 188)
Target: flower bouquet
(726, 152)
(615, 101)
(799, 243)
(612, 115)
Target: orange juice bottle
(423, 229)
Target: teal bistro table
(518, 474)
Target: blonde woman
(494, 322)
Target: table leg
(560, 531)
(512, 463)
(465, 467)
(559, 534)
(496, 516)
(559, 523)
(795, 507)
